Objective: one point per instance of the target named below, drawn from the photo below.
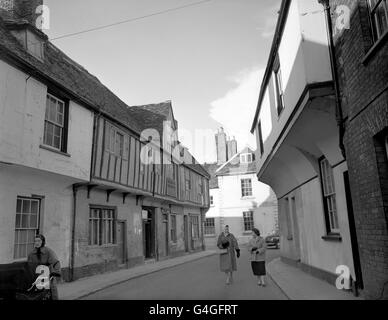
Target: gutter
(73, 224)
(274, 49)
(334, 71)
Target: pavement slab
(299, 285)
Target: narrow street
(200, 279)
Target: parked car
(273, 240)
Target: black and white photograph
(207, 152)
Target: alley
(200, 279)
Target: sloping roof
(148, 119)
(196, 166)
(233, 166)
(212, 168)
(69, 76)
(280, 25)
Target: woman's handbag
(222, 251)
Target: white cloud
(236, 109)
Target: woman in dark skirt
(257, 248)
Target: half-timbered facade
(157, 202)
(75, 164)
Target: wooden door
(121, 254)
(186, 232)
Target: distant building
(239, 200)
(226, 148)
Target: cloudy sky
(208, 58)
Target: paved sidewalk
(299, 285)
(85, 286)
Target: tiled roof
(212, 168)
(147, 119)
(70, 75)
(77, 81)
(234, 166)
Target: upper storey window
(278, 85)
(55, 123)
(378, 10)
(246, 158)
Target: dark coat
(228, 261)
(261, 248)
(47, 258)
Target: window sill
(54, 150)
(102, 246)
(332, 237)
(248, 198)
(247, 233)
(372, 51)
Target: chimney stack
(21, 10)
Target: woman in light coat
(257, 249)
(227, 244)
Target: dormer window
(29, 37)
(246, 158)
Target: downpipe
(334, 71)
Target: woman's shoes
(259, 283)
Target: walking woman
(227, 243)
(257, 248)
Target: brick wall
(364, 82)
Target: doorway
(186, 232)
(121, 242)
(148, 233)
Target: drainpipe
(72, 249)
(334, 71)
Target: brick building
(360, 38)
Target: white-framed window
(329, 196)
(26, 226)
(378, 11)
(210, 228)
(194, 227)
(173, 228)
(54, 123)
(102, 229)
(248, 220)
(246, 187)
(278, 85)
(246, 158)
